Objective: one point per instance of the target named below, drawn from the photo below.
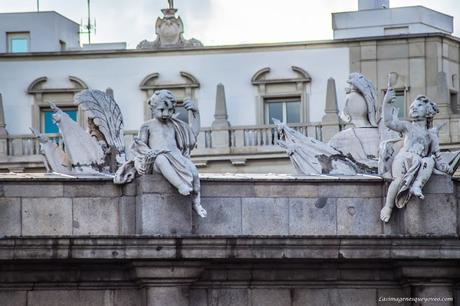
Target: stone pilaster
(160, 209)
(443, 101)
(166, 283)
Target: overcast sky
(216, 22)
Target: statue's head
(423, 107)
(57, 113)
(169, 30)
(360, 106)
(162, 104)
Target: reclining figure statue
(163, 145)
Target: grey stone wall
(236, 206)
(266, 241)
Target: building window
(47, 123)
(454, 102)
(400, 103)
(285, 110)
(18, 42)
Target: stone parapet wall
(267, 240)
(237, 205)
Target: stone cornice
(230, 247)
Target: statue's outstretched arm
(195, 123)
(391, 119)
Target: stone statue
(169, 31)
(164, 145)
(349, 152)
(361, 141)
(97, 151)
(55, 159)
(419, 156)
(83, 151)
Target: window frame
(12, 35)
(285, 101)
(64, 108)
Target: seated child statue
(164, 145)
(420, 154)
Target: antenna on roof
(38, 5)
(89, 27)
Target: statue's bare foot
(184, 190)
(417, 191)
(385, 214)
(200, 210)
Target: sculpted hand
(190, 105)
(390, 96)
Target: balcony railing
(238, 137)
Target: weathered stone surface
(277, 190)
(154, 183)
(350, 190)
(89, 189)
(237, 189)
(224, 217)
(265, 216)
(95, 216)
(313, 216)
(129, 297)
(229, 297)
(198, 297)
(33, 190)
(46, 216)
(13, 298)
(439, 184)
(161, 296)
(129, 189)
(270, 297)
(357, 216)
(66, 297)
(127, 215)
(163, 214)
(10, 216)
(332, 297)
(435, 215)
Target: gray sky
(216, 22)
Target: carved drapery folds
(293, 87)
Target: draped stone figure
(163, 145)
(420, 155)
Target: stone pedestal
(160, 209)
(166, 283)
(436, 214)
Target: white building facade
(285, 81)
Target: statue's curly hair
(165, 96)
(431, 107)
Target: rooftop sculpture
(169, 31)
(164, 145)
(374, 146)
(96, 151)
(349, 152)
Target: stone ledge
(231, 247)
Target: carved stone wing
(106, 115)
